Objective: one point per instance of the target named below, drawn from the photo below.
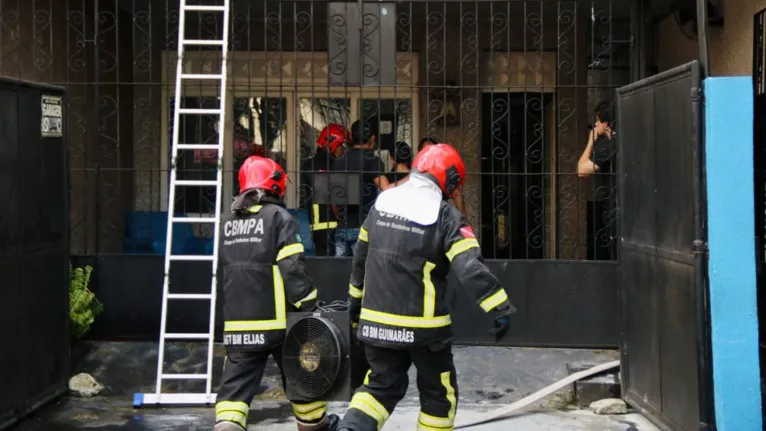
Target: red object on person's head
(333, 136)
(262, 173)
(443, 164)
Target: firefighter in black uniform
(398, 285)
(264, 277)
(330, 145)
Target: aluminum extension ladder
(157, 398)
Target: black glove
(309, 305)
(354, 309)
(502, 321)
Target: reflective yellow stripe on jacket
(461, 246)
(429, 291)
(494, 300)
(280, 322)
(355, 292)
(404, 321)
(317, 225)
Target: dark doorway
(513, 155)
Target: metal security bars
(511, 84)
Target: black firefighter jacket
(322, 217)
(264, 275)
(400, 272)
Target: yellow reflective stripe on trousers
(427, 422)
(363, 235)
(493, 301)
(317, 225)
(461, 246)
(445, 378)
(429, 295)
(232, 411)
(289, 250)
(309, 297)
(368, 405)
(432, 423)
(309, 412)
(404, 321)
(279, 322)
(354, 291)
(324, 226)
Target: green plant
(83, 305)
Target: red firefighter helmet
(333, 136)
(443, 164)
(261, 173)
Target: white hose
(529, 399)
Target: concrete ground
(489, 378)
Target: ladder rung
(194, 219)
(204, 76)
(197, 147)
(189, 296)
(142, 399)
(187, 336)
(203, 42)
(199, 183)
(204, 8)
(190, 257)
(211, 111)
(184, 377)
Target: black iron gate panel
(759, 161)
(665, 372)
(34, 288)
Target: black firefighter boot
(329, 423)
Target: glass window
(259, 128)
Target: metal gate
(665, 360)
(511, 84)
(759, 160)
(34, 292)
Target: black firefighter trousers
(387, 381)
(240, 382)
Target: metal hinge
(698, 94)
(699, 247)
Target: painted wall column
(731, 231)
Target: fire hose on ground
(505, 411)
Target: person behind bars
(264, 277)
(397, 293)
(331, 144)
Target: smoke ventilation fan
(322, 359)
